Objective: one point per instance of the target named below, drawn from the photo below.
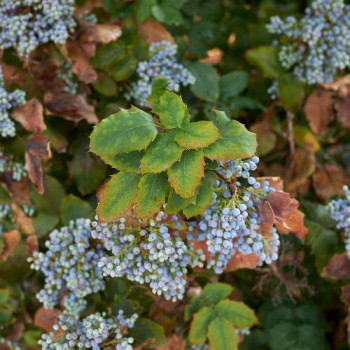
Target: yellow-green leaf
(241, 315)
(123, 132)
(185, 175)
(161, 154)
(117, 196)
(128, 162)
(222, 335)
(176, 203)
(151, 192)
(197, 135)
(171, 110)
(199, 325)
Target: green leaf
(236, 142)
(146, 329)
(171, 110)
(161, 154)
(265, 58)
(151, 192)
(143, 9)
(105, 85)
(291, 91)
(222, 335)
(44, 223)
(214, 292)
(31, 337)
(128, 162)
(185, 175)
(123, 132)
(199, 325)
(117, 196)
(241, 315)
(72, 208)
(168, 11)
(204, 196)
(159, 87)
(4, 295)
(108, 54)
(206, 86)
(176, 203)
(197, 135)
(232, 84)
(124, 69)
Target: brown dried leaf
(293, 223)
(338, 84)
(105, 33)
(10, 240)
(345, 294)
(174, 342)
(30, 116)
(24, 222)
(214, 56)
(302, 166)
(18, 190)
(12, 75)
(153, 31)
(338, 267)
(32, 244)
(281, 203)
(274, 181)
(329, 180)
(343, 111)
(319, 110)
(241, 261)
(46, 318)
(38, 149)
(266, 213)
(70, 107)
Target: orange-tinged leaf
(153, 31)
(293, 223)
(338, 267)
(266, 213)
(24, 222)
(10, 240)
(46, 318)
(32, 244)
(241, 261)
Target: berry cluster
(232, 223)
(96, 331)
(162, 62)
(66, 74)
(70, 265)
(26, 24)
(9, 166)
(155, 254)
(339, 210)
(8, 100)
(317, 45)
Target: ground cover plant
(174, 174)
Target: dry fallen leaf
(241, 261)
(30, 116)
(10, 240)
(319, 110)
(329, 180)
(38, 149)
(214, 56)
(174, 342)
(46, 318)
(281, 203)
(266, 213)
(105, 33)
(153, 31)
(343, 111)
(32, 244)
(338, 267)
(293, 222)
(70, 107)
(274, 181)
(24, 222)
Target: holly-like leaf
(204, 196)
(185, 175)
(197, 135)
(123, 132)
(214, 292)
(128, 162)
(117, 196)
(73, 207)
(176, 203)
(199, 325)
(151, 192)
(236, 141)
(237, 313)
(171, 110)
(222, 335)
(161, 154)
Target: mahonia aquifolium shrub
(95, 331)
(26, 24)
(317, 46)
(340, 212)
(8, 100)
(162, 62)
(232, 223)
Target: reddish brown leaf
(345, 294)
(329, 180)
(70, 107)
(153, 31)
(241, 261)
(338, 84)
(30, 116)
(274, 181)
(343, 111)
(319, 110)
(24, 222)
(174, 342)
(105, 33)
(32, 244)
(338, 267)
(18, 190)
(293, 223)
(281, 203)
(266, 213)
(214, 56)
(46, 318)
(10, 240)
(38, 149)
